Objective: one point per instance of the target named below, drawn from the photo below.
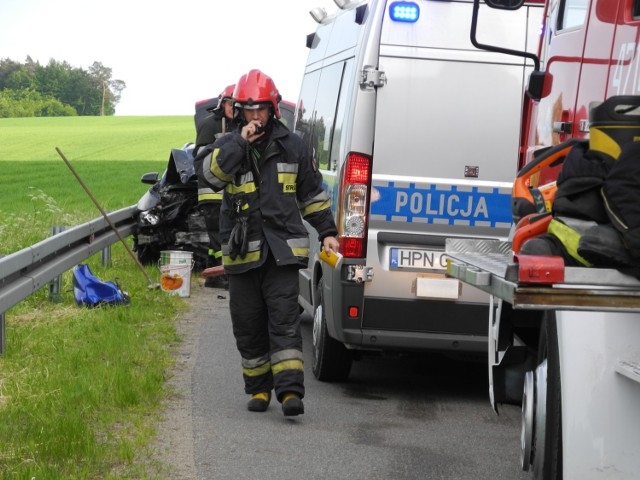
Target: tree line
(57, 89)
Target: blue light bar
(404, 12)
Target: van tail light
(354, 197)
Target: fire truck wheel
(331, 359)
(547, 456)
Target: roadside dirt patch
(171, 455)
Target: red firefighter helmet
(254, 90)
(226, 94)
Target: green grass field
(93, 138)
(80, 389)
(110, 155)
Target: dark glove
(239, 240)
(244, 245)
(235, 240)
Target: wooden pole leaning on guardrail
(152, 284)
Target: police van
(402, 114)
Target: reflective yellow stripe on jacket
(569, 238)
(207, 194)
(288, 176)
(212, 173)
(299, 246)
(254, 252)
(246, 184)
(316, 204)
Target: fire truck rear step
(490, 266)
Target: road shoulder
(172, 451)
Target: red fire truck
(564, 342)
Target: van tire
(331, 359)
(548, 464)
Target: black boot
(292, 405)
(259, 402)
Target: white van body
(425, 108)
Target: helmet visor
(252, 106)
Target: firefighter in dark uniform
(271, 184)
(213, 121)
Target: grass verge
(80, 389)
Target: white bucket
(175, 272)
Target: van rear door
(445, 104)
(446, 134)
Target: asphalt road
(396, 418)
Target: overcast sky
(169, 53)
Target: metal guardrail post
(2, 335)
(105, 256)
(55, 285)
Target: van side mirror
(505, 4)
(149, 178)
(539, 84)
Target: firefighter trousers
(266, 325)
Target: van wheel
(547, 442)
(331, 359)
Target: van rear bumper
(386, 340)
(393, 324)
(419, 341)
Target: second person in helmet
(271, 185)
(211, 124)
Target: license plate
(437, 286)
(417, 259)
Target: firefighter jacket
(267, 195)
(208, 129)
(207, 121)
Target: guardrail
(24, 272)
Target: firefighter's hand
(330, 243)
(252, 131)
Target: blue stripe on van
(473, 206)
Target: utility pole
(104, 94)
